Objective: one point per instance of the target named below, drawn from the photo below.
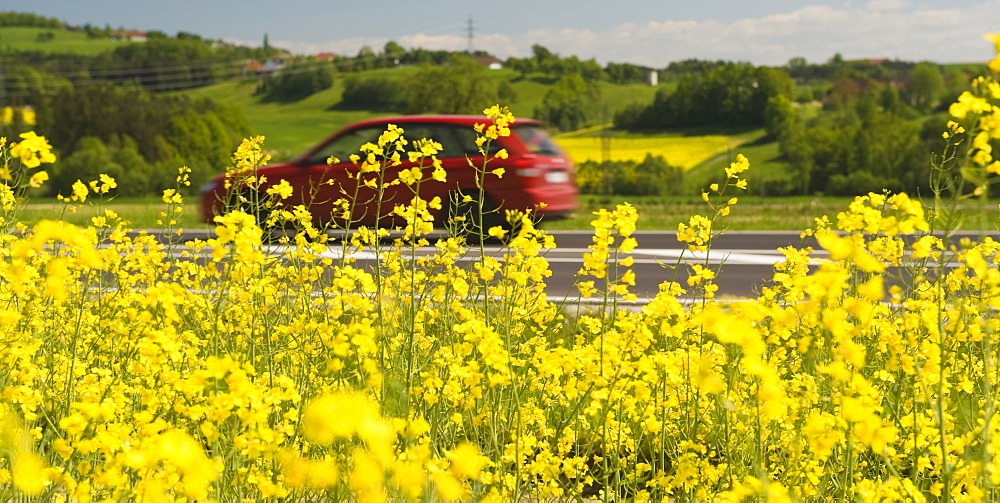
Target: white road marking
(571, 255)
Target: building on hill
(129, 35)
(272, 65)
(252, 68)
(490, 62)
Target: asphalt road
(743, 260)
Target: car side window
(437, 132)
(466, 140)
(347, 144)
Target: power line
(154, 79)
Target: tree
(541, 54)
(843, 94)
(730, 94)
(857, 150)
(91, 158)
(889, 100)
(165, 131)
(523, 66)
(837, 64)
(373, 93)
(625, 73)
(796, 64)
(779, 116)
(925, 86)
(570, 104)
(365, 59)
(297, 80)
(393, 53)
(653, 176)
(463, 86)
(545, 61)
(24, 84)
(591, 71)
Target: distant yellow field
(684, 152)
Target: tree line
(29, 19)
(873, 125)
(140, 138)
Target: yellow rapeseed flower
(466, 462)
(38, 178)
(337, 416)
(281, 189)
(32, 150)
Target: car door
(333, 187)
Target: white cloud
(887, 5)
(876, 29)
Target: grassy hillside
(27, 39)
(290, 128)
(768, 173)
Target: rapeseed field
(233, 370)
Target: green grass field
(655, 213)
(768, 173)
(63, 41)
(291, 128)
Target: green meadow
(62, 41)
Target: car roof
(468, 120)
(465, 120)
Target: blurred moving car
(538, 175)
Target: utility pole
(3, 85)
(470, 32)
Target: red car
(538, 175)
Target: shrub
(373, 93)
(298, 80)
(459, 87)
(652, 176)
(570, 103)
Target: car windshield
(537, 141)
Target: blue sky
(653, 33)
